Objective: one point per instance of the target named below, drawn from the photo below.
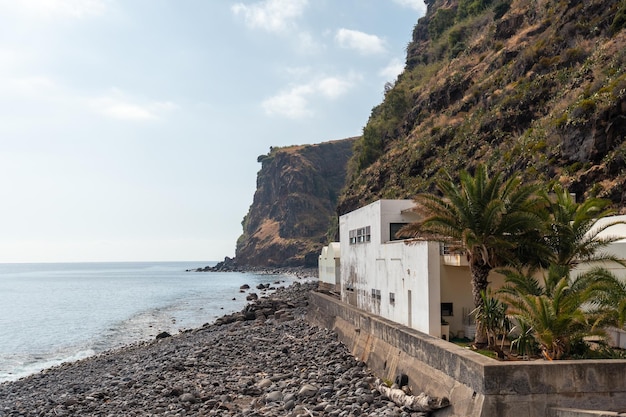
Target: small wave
(14, 368)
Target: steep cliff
(536, 87)
(530, 86)
(295, 201)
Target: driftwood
(421, 402)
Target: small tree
(491, 315)
(523, 340)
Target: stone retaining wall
(477, 386)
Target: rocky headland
(264, 361)
(232, 265)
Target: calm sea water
(53, 313)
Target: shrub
(583, 107)
(501, 9)
(442, 20)
(469, 8)
(370, 147)
(574, 56)
(619, 22)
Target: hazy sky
(130, 129)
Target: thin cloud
(271, 15)
(335, 87)
(295, 102)
(47, 9)
(120, 110)
(118, 106)
(361, 42)
(392, 70)
(27, 86)
(417, 5)
(308, 45)
(292, 104)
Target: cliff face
(294, 204)
(530, 87)
(536, 87)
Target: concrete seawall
(477, 386)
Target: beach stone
(187, 398)
(274, 396)
(289, 405)
(307, 390)
(264, 383)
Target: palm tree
(494, 221)
(574, 234)
(564, 308)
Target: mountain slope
(530, 86)
(295, 200)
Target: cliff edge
(294, 204)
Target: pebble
(244, 365)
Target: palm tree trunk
(479, 271)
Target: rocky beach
(263, 361)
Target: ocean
(59, 312)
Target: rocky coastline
(231, 265)
(263, 361)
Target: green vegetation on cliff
(535, 87)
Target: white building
(617, 248)
(329, 267)
(414, 283)
(389, 277)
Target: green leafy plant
(491, 315)
(500, 10)
(619, 21)
(561, 308)
(441, 20)
(523, 341)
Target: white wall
(329, 270)
(416, 269)
(390, 267)
(617, 248)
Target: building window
(446, 310)
(393, 230)
(392, 298)
(360, 235)
(376, 294)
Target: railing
(452, 258)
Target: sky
(130, 129)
